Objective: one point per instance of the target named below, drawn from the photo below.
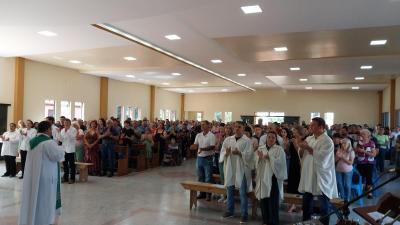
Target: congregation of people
(312, 160)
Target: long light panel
(112, 29)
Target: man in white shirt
(322, 171)
(205, 145)
(9, 149)
(68, 139)
(55, 131)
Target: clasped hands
(229, 151)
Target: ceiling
(328, 40)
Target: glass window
(315, 114)
(276, 114)
(173, 115)
(49, 108)
(168, 114)
(261, 114)
(65, 109)
(162, 114)
(218, 116)
(228, 117)
(119, 111)
(79, 110)
(265, 118)
(199, 116)
(329, 118)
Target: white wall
(349, 106)
(167, 100)
(44, 81)
(128, 94)
(7, 73)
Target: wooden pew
(83, 170)
(156, 155)
(298, 200)
(195, 186)
(138, 156)
(122, 163)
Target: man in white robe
(9, 149)
(41, 194)
(323, 176)
(238, 157)
(271, 172)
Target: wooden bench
(195, 186)
(122, 168)
(83, 170)
(138, 156)
(298, 200)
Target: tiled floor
(151, 197)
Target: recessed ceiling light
(130, 76)
(47, 33)
(129, 58)
(224, 90)
(359, 78)
(172, 37)
(242, 75)
(75, 61)
(366, 67)
(303, 79)
(216, 61)
(308, 88)
(294, 68)
(355, 88)
(204, 82)
(251, 9)
(280, 49)
(257, 83)
(176, 74)
(165, 83)
(378, 42)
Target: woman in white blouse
(9, 150)
(27, 134)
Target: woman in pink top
(344, 168)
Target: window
(385, 118)
(314, 114)
(398, 118)
(162, 114)
(218, 116)
(49, 108)
(269, 117)
(228, 117)
(119, 111)
(173, 115)
(137, 114)
(79, 110)
(168, 114)
(199, 116)
(329, 118)
(65, 109)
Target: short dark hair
(44, 126)
(50, 118)
(319, 121)
(240, 123)
(248, 129)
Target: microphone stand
(345, 208)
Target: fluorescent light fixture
(165, 83)
(280, 49)
(75, 61)
(57, 57)
(129, 58)
(250, 9)
(378, 42)
(172, 37)
(204, 82)
(47, 33)
(117, 31)
(303, 79)
(359, 78)
(242, 75)
(308, 88)
(366, 67)
(257, 83)
(355, 88)
(216, 61)
(190, 91)
(224, 90)
(130, 76)
(176, 74)
(294, 68)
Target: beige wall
(349, 106)
(44, 81)
(7, 73)
(167, 100)
(128, 94)
(386, 99)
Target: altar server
(238, 157)
(41, 194)
(271, 172)
(9, 149)
(318, 177)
